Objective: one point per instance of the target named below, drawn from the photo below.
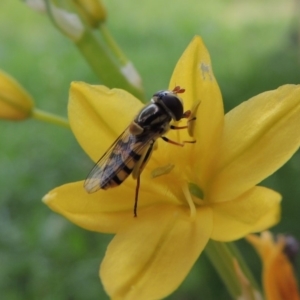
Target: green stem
(100, 56)
(111, 43)
(50, 118)
(222, 256)
(104, 65)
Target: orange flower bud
(278, 276)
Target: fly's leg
(185, 115)
(182, 127)
(138, 180)
(136, 174)
(176, 143)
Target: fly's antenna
(178, 90)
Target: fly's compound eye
(170, 102)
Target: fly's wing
(118, 161)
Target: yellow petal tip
(48, 197)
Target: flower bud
(92, 10)
(15, 102)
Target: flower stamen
(192, 117)
(190, 201)
(162, 170)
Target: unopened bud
(92, 10)
(15, 102)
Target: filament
(190, 201)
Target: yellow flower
(278, 277)
(15, 103)
(208, 190)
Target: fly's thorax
(152, 117)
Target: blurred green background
(254, 46)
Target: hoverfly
(131, 150)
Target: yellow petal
(105, 211)
(151, 256)
(260, 135)
(194, 73)
(15, 102)
(101, 211)
(99, 115)
(254, 211)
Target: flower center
(196, 191)
(189, 200)
(190, 190)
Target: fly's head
(171, 102)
